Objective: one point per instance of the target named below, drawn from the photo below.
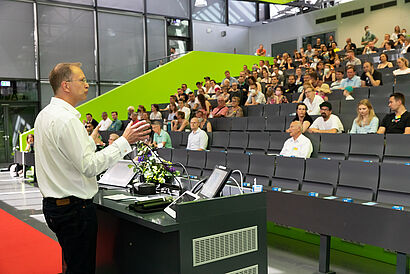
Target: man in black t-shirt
(291, 86)
(399, 120)
(370, 77)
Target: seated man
(116, 124)
(370, 77)
(221, 110)
(90, 119)
(297, 145)
(105, 122)
(197, 139)
(328, 122)
(312, 101)
(161, 137)
(229, 78)
(184, 109)
(172, 100)
(339, 77)
(399, 120)
(261, 51)
(352, 79)
(352, 60)
(291, 86)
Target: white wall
(207, 37)
(380, 21)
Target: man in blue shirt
(116, 124)
(230, 78)
(352, 79)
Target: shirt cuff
(123, 146)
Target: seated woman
(235, 110)
(303, 116)
(155, 114)
(305, 63)
(203, 105)
(329, 75)
(180, 124)
(225, 93)
(366, 121)
(278, 97)
(266, 79)
(173, 109)
(384, 62)
(204, 124)
(141, 109)
(403, 65)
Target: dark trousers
(75, 225)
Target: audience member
(348, 93)
(291, 86)
(141, 110)
(352, 79)
(278, 97)
(236, 92)
(384, 62)
(221, 109)
(298, 76)
(172, 100)
(403, 65)
(173, 109)
(399, 120)
(329, 75)
(161, 137)
(386, 40)
(30, 143)
(180, 124)
(185, 88)
(155, 114)
(229, 77)
(197, 139)
(203, 105)
(369, 48)
(312, 101)
(396, 32)
(90, 119)
(297, 145)
(366, 121)
(261, 51)
(327, 122)
(309, 52)
(89, 128)
(116, 124)
(324, 91)
(130, 111)
(235, 110)
(303, 117)
(145, 117)
(255, 96)
(225, 94)
(352, 60)
(112, 138)
(349, 45)
(339, 77)
(184, 109)
(370, 77)
(368, 37)
(105, 122)
(134, 118)
(214, 87)
(331, 41)
(399, 44)
(191, 100)
(204, 124)
(389, 46)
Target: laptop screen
(215, 183)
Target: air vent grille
(352, 12)
(383, 5)
(326, 19)
(248, 270)
(224, 245)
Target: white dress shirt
(105, 124)
(197, 140)
(66, 162)
(301, 147)
(331, 123)
(313, 108)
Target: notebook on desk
(119, 175)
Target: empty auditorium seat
(176, 138)
(397, 148)
(179, 155)
(315, 140)
(213, 158)
(239, 123)
(258, 142)
(348, 107)
(366, 147)
(275, 123)
(238, 141)
(223, 124)
(336, 95)
(165, 153)
(394, 185)
(257, 123)
(196, 161)
(405, 78)
(320, 176)
(238, 161)
(361, 93)
(261, 168)
(347, 120)
(276, 141)
(288, 172)
(220, 141)
(335, 106)
(381, 92)
(358, 180)
(255, 111)
(380, 104)
(287, 109)
(403, 88)
(270, 110)
(334, 146)
(184, 140)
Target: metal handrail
(177, 54)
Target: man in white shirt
(105, 123)
(297, 145)
(197, 139)
(328, 122)
(184, 109)
(67, 164)
(312, 101)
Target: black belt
(67, 200)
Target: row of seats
(357, 147)
(385, 182)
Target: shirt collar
(60, 102)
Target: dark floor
(23, 200)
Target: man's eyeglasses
(84, 80)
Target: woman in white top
(155, 114)
(366, 121)
(395, 33)
(403, 65)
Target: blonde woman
(403, 65)
(366, 121)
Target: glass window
(213, 12)
(107, 87)
(121, 46)
(241, 12)
(66, 35)
(177, 8)
(324, 37)
(156, 42)
(12, 90)
(47, 93)
(135, 5)
(17, 40)
(285, 46)
(179, 45)
(179, 28)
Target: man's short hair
(198, 83)
(114, 112)
(227, 71)
(191, 92)
(351, 67)
(156, 123)
(350, 51)
(399, 96)
(326, 104)
(61, 72)
(89, 114)
(292, 76)
(104, 112)
(313, 75)
(173, 96)
(236, 97)
(181, 113)
(340, 70)
(370, 63)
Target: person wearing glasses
(67, 165)
(197, 139)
